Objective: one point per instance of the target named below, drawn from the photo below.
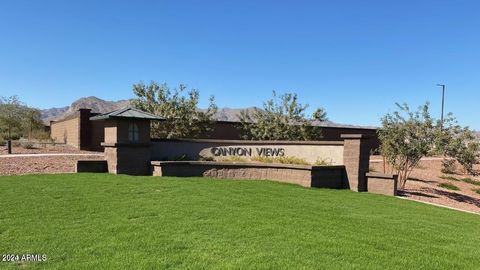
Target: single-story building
(80, 131)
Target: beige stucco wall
(67, 131)
(332, 152)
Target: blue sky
(354, 58)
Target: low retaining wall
(385, 184)
(307, 176)
(91, 166)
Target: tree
(282, 118)
(32, 121)
(459, 144)
(320, 115)
(183, 119)
(17, 119)
(407, 136)
(11, 115)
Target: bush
(447, 177)
(234, 159)
(460, 144)
(449, 186)
(27, 145)
(470, 181)
(202, 158)
(448, 166)
(3, 142)
(283, 160)
(322, 162)
(476, 190)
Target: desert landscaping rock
(52, 159)
(44, 165)
(423, 186)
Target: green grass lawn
(99, 221)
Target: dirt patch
(44, 149)
(41, 164)
(426, 178)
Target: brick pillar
(132, 159)
(84, 126)
(123, 155)
(356, 158)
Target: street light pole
(443, 98)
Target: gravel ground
(43, 164)
(425, 181)
(30, 165)
(44, 149)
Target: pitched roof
(127, 112)
(316, 123)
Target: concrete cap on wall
(355, 136)
(381, 175)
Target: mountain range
(93, 103)
(102, 106)
(98, 105)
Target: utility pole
(443, 99)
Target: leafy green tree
(282, 118)
(17, 119)
(11, 115)
(459, 143)
(179, 107)
(406, 136)
(320, 115)
(32, 122)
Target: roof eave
(105, 117)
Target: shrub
(460, 144)
(27, 145)
(322, 162)
(283, 160)
(3, 142)
(202, 158)
(448, 166)
(233, 159)
(448, 177)
(449, 186)
(476, 190)
(471, 181)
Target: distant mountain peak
(96, 104)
